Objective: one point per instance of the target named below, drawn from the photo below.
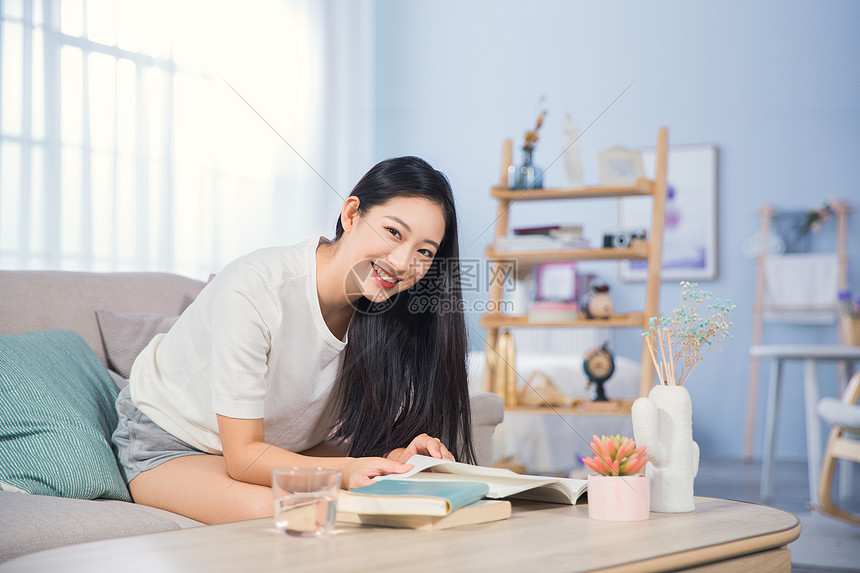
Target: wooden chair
(843, 415)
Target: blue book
(411, 497)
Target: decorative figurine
(599, 364)
(571, 152)
(598, 304)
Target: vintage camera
(621, 238)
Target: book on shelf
(502, 483)
(408, 497)
(528, 243)
(553, 311)
(564, 230)
(481, 511)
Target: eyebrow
(405, 226)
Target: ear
(349, 216)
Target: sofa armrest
(488, 411)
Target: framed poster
(690, 236)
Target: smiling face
(391, 246)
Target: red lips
(379, 277)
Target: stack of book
(553, 311)
(438, 494)
(549, 238)
(420, 504)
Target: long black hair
(404, 367)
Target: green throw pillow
(57, 415)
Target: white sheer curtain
(176, 136)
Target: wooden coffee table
(719, 535)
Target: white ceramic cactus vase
(663, 423)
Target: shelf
(580, 408)
(633, 319)
(642, 188)
(497, 375)
(637, 250)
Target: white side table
(810, 354)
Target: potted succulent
(617, 492)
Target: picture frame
(619, 166)
(556, 281)
(690, 233)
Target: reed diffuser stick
(662, 351)
(672, 361)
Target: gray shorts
(141, 443)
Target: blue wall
(775, 85)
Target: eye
(427, 253)
(394, 232)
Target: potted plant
(617, 492)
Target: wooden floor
(739, 480)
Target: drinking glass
(305, 500)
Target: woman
(347, 353)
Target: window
(123, 147)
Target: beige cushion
(126, 334)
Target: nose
(400, 260)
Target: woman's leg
(198, 487)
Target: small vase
(527, 175)
(618, 498)
(851, 330)
(663, 423)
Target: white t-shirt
(252, 345)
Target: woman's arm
(250, 459)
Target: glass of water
(305, 500)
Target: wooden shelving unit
(650, 250)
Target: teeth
(387, 277)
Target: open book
(502, 483)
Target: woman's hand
(361, 471)
(422, 444)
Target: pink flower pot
(618, 498)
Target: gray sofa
(46, 300)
